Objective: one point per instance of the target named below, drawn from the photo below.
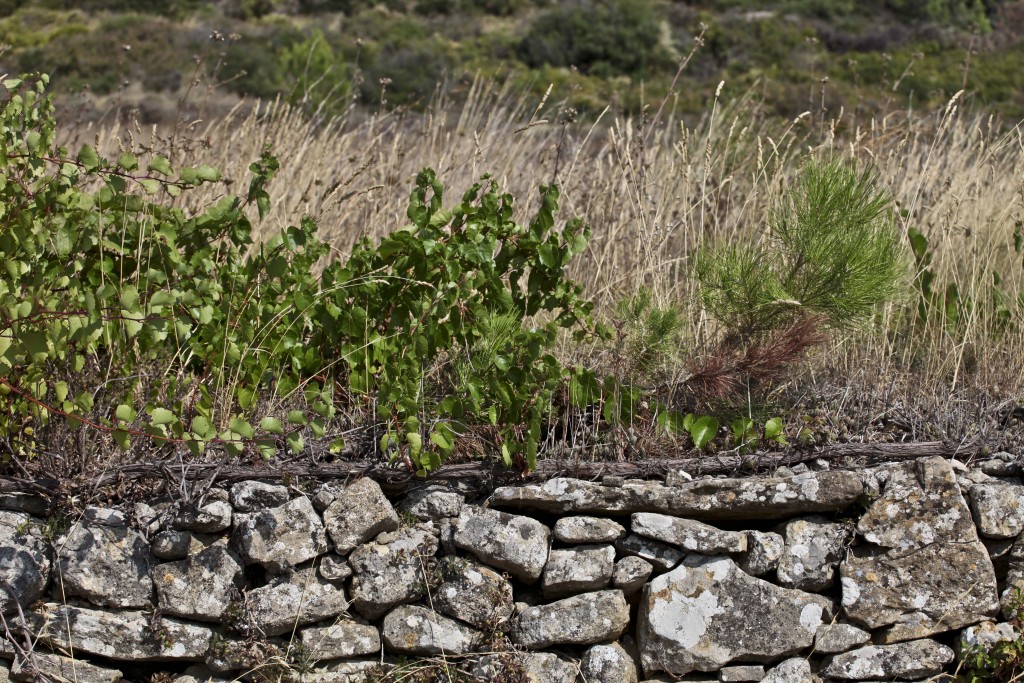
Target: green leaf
(242, 428)
(296, 417)
(128, 161)
(267, 448)
(773, 428)
(295, 443)
(60, 389)
(203, 428)
(440, 441)
(122, 438)
(162, 416)
(159, 164)
(150, 185)
(415, 442)
(271, 425)
(125, 413)
(88, 157)
(207, 173)
(703, 431)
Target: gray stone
(835, 638)
(24, 502)
(608, 664)
(582, 529)
(764, 550)
(358, 514)
(104, 516)
(769, 498)
(340, 641)
(248, 654)
(580, 620)
(433, 503)
(24, 560)
(211, 518)
(688, 534)
(282, 537)
(741, 673)
(474, 594)
(518, 545)
(931, 574)
(177, 545)
(107, 565)
(998, 509)
(662, 557)
(254, 496)
(577, 570)
(912, 660)
(201, 586)
(999, 552)
(58, 669)
(814, 548)
(128, 635)
(708, 612)
(795, 670)
(349, 671)
(325, 495)
(631, 573)
(986, 635)
(530, 667)
(296, 600)
(335, 568)
(415, 630)
(1014, 590)
(392, 570)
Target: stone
(249, 654)
(661, 557)
(911, 660)
(128, 635)
(335, 568)
(358, 514)
(998, 509)
(473, 593)
(294, 600)
(391, 570)
(577, 570)
(580, 620)
(281, 538)
(24, 502)
(211, 518)
(255, 496)
(583, 529)
(518, 545)
(688, 534)
(106, 565)
(930, 573)
(350, 671)
(768, 498)
(177, 545)
(834, 638)
(1011, 597)
(415, 630)
(530, 667)
(764, 550)
(986, 635)
(25, 561)
(340, 641)
(795, 670)
(104, 516)
(814, 547)
(201, 586)
(608, 664)
(57, 668)
(744, 672)
(631, 573)
(708, 612)
(433, 503)
(999, 552)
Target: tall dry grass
(655, 189)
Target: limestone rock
(764, 550)
(835, 638)
(518, 545)
(211, 518)
(608, 664)
(582, 529)
(986, 635)
(349, 671)
(795, 670)
(998, 509)
(24, 560)
(912, 660)
(631, 573)
(580, 620)
(282, 537)
(688, 534)
(340, 641)
(531, 667)
(177, 545)
(358, 514)
(201, 586)
(814, 547)
(24, 502)
(708, 612)
(58, 668)
(298, 599)
(390, 571)
(128, 635)
(107, 565)
(662, 557)
(415, 630)
(577, 570)
(334, 568)
(741, 673)
(94, 514)
(432, 503)
(1009, 600)
(474, 594)
(255, 496)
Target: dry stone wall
(811, 574)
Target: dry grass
(654, 189)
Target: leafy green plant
(1002, 661)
